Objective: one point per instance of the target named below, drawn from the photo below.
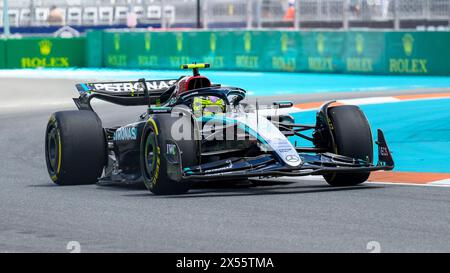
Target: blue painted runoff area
(418, 132)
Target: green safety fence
(44, 52)
(2, 54)
(413, 53)
(405, 53)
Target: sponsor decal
(125, 134)
(171, 149)
(175, 61)
(228, 167)
(213, 42)
(292, 158)
(247, 42)
(45, 47)
(321, 63)
(408, 44)
(215, 61)
(219, 169)
(408, 65)
(116, 41)
(130, 86)
(247, 61)
(148, 61)
(384, 151)
(320, 39)
(359, 63)
(45, 62)
(283, 62)
(155, 176)
(359, 44)
(148, 42)
(117, 60)
(179, 42)
(284, 42)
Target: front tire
(353, 138)
(162, 157)
(75, 148)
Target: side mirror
(283, 104)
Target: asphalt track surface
(308, 216)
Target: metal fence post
(163, 14)
(448, 12)
(345, 7)
(258, 13)
(204, 15)
(33, 14)
(198, 12)
(297, 15)
(249, 15)
(396, 14)
(6, 30)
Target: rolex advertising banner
(418, 53)
(45, 52)
(248, 50)
(94, 48)
(356, 52)
(364, 53)
(283, 51)
(167, 50)
(322, 51)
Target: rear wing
(130, 88)
(131, 93)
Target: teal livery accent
(242, 126)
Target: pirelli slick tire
(75, 148)
(353, 138)
(163, 155)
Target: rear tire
(161, 155)
(353, 138)
(75, 148)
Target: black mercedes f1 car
(194, 131)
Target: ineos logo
(292, 158)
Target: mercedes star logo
(292, 158)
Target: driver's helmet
(208, 106)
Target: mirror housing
(283, 104)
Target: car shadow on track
(110, 186)
(271, 191)
(225, 189)
(248, 189)
(48, 185)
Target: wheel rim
(150, 155)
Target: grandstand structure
(336, 14)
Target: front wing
(268, 165)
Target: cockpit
(204, 98)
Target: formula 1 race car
(196, 131)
